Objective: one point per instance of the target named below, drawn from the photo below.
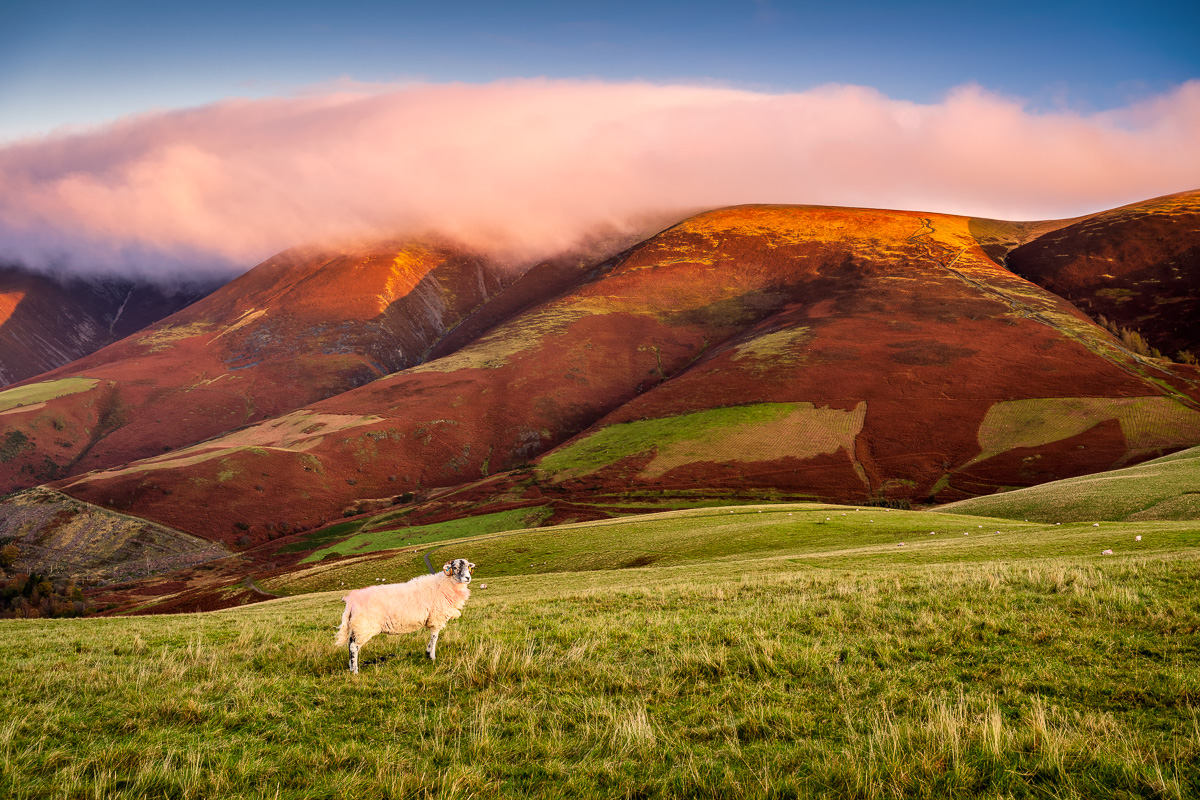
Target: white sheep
(427, 601)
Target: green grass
(41, 392)
(705, 435)
(323, 536)
(762, 656)
(808, 534)
(373, 539)
(1165, 488)
(1148, 423)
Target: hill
(837, 354)
(303, 326)
(745, 354)
(1166, 488)
(1137, 266)
(47, 321)
(56, 534)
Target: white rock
(1106, 552)
(1137, 538)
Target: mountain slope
(843, 354)
(1138, 265)
(300, 327)
(47, 321)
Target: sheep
(427, 601)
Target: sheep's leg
(431, 648)
(354, 648)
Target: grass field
(377, 536)
(1148, 423)
(759, 432)
(41, 392)
(789, 653)
(1163, 489)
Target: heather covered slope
(1138, 266)
(301, 327)
(840, 354)
(47, 321)
(926, 373)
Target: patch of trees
(28, 595)
(1138, 344)
(899, 503)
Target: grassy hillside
(762, 655)
(1162, 489)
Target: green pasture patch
(43, 391)
(1167, 488)
(371, 539)
(735, 432)
(1148, 423)
(1042, 677)
(323, 536)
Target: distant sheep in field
(427, 601)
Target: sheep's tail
(343, 634)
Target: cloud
(528, 166)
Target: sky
(167, 136)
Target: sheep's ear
(446, 568)
(470, 565)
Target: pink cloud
(528, 166)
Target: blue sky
(81, 63)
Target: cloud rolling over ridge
(528, 166)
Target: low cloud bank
(527, 167)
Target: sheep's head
(459, 569)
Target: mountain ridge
(850, 355)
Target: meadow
(1164, 488)
(794, 652)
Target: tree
(8, 555)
